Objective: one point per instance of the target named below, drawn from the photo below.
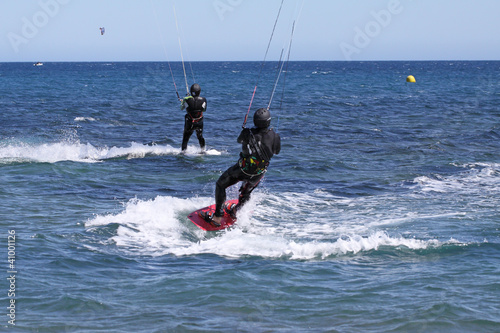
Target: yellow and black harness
(257, 161)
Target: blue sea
(380, 214)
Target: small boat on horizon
(38, 64)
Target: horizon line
(180, 61)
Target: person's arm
(184, 102)
(243, 135)
(277, 144)
(204, 105)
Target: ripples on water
(380, 214)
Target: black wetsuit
(193, 119)
(251, 166)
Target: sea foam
(86, 152)
(160, 226)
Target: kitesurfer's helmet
(262, 118)
(195, 90)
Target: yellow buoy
(410, 78)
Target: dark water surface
(381, 214)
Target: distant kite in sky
(102, 30)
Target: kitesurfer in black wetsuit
(195, 105)
(258, 146)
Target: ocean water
(381, 214)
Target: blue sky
(225, 30)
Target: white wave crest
(160, 226)
(80, 119)
(477, 178)
(87, 153)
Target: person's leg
(199, 134)
(188, 131)
(246, 190)
(228, 178)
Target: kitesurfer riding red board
(258, 145)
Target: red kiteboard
(226, 221)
